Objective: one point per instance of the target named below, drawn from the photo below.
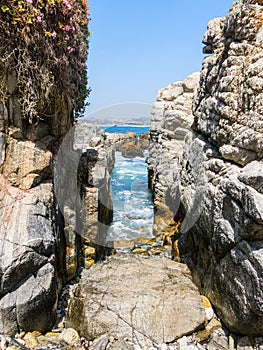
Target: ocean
(122, 129)
(132, 201)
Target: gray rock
(69, 336)
(219, 342)
(147, 301)
(190, 84)
(2, 148)
(252, 175)
(245, 343)
(211, 182)
(27, 260)
(100, 343)
(121, 345)
(170, 125)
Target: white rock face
(170, 124)
(213, 179)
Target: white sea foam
(133, 208)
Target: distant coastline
(140, 122)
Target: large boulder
(144, 301)
(28, 259)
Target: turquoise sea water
(122, 129)
(132, 201)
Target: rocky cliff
(215, 192)
(40, 234)
(170, 123)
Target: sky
(140, 46)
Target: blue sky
(140, 46)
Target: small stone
(51, 334)
(148, 241)
(231, 342)
(100, 343)
(218, 342)
(162, 347)
(244, 343)
(31, 340)
(123, 244)
(71, 270)
(140, 251)
(21, 342)
(90, 251)
(111, 338)
(45, 341)
(202, 335)
(3, 343)
(89, 263)
(213, 325)
(20, 335)
(70, 336)
(12, 347)
(209, 312)
(160, 247)
(36, 333)
(208, 308)
(206, 301)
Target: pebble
(30, 340)
(162, 347)
(89, 263)
(90, 251)
(70, 336)
(3, 343)
(140, 251)
(21, 342)
(20, 335)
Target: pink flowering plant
(45, 42)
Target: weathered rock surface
(27, 163)
(216, 186)
(170, 123)
(29, 259)
(144, 301)
(42, 219)
(129, 144)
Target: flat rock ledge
(142, 300)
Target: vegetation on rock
(45, 43)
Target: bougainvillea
(45, 42)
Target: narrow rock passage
(132, 202)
